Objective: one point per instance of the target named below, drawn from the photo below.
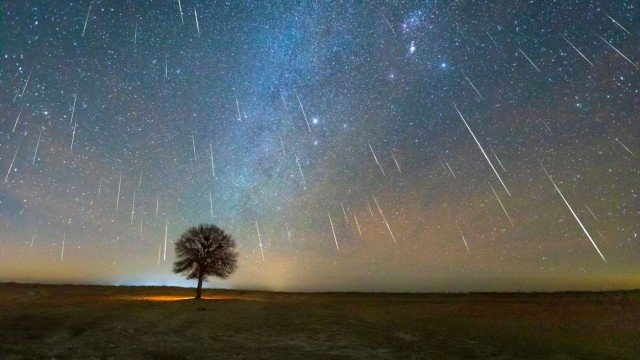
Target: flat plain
(108, 322)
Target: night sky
(366, 145)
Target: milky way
(386, 146)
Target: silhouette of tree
(205, 250)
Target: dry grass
(69, 322)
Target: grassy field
(64, 322)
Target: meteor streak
(578, 51)
(384, 219)
(531, 62)
(333, 230)
(465, 242)
(501, 205)
(376, 159)
(6, 178)
(619, 52)
(482, 150)
(573, 213)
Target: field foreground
(101, 322)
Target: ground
(84, 322)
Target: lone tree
(205, 250)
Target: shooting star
(531, 62)
(64, 239)
(100, 187)
(193, 141)
(73, 110)
(370, 211)
(304, 114)
(133, 206)
(573, 213)
(501, 205)
(26, 82)
(482, 150)
(157, 204)
(213, 167)
(6, 178)
(333, 231)
(465, 242)
(625, 147)
(211, 205)
(384, 219)
(18, 118)
(498, 159)
(238, 108)
(166, 232)
(32, 238)
(376, 159)
(284, 102)
(304, 181)
(86, 20)
(449, 167)
(180, 7)
(619, 52)
(388, 24)
(355, 218)
(619, 25)
(118, 197)
(473, 86)
(346, 220)
(135, 35)
(140, 180)
(260, 241)
(73, 135)
(578, 51)
(591, 212)
(195, 12)
(396, 161)
(35, 153)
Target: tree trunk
(199, 289)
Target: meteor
(346, 220)
(333, 230)
(531, 62)
(18, 118)
(180, 7)
(195, 12)
(166, 231)
(578, 51)
(304, 114)
(482, 150)
(465, 242)
(473, 86)
(625, 147)
(376, 159)
(64, 238)
(86, 20)
(502, 206)
(304, 182)
(260, 240)
(35, 153)
(118, 197)
(384, 219)
(573, 213)
(619, 25)
(6, 178)
(396, 161)
(619, 52)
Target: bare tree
(205, 250)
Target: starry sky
(345, 145)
